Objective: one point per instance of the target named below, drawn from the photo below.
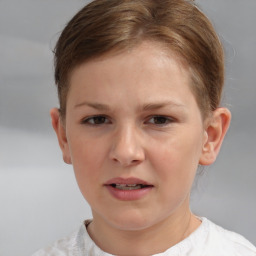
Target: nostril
(126, 152)
(126, 161)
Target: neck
(144, 242)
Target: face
(134, 134)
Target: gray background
(39, 198)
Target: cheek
(87, 161)
(177, 158)
(175, 168)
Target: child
(139, 85)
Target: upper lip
(127, 181)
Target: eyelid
(168, 119)
(88, 118)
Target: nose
(127, 149)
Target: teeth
(129, 186)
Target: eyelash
(166, 120)
(101, 120)
(93, 118)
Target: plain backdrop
(39, 199)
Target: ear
(215, 129)
(60, 131)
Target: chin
(131, 222)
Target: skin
(129, 91)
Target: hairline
(123, 48)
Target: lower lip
(128, 195)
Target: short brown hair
(116, 25)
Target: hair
(104, 26)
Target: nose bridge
(126, 147)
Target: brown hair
(116, 25)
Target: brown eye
(160, 120)
(96, 120)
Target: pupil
(99, 119)
(159, 120)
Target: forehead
(147, 53)
(143, 48)
(147, 71)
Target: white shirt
(208, 239)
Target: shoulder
(70, 245)
(64, 246)
(77, 244)
(223, 242)
(212, 240)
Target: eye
(96, 120)
(160, 120)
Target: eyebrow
(145, 107)
(98, 106)
(158, 105)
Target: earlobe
(61, 134)
(215, 131)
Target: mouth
(128, 183)
(127, 189)
(129, 186)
